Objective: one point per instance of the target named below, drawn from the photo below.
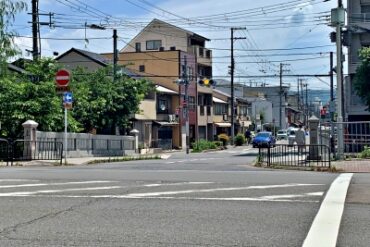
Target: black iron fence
(21, 150)
(299, 156)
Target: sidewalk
(360, 166)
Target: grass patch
(123, 159)
(203, 145)
(364, 154)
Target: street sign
(67, 98)
(67, 105)
(62, 78)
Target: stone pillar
(313, 124)
(30, 138)
(135, 132)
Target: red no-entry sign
(62, 78)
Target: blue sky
(301, 24)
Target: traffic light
(207, 82)
(333, 37)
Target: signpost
(62, 79)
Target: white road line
(275, 197)
(325, 227)
(256, 199)
(51, 184)
(176, 184)
(28, 193)
(149, 194)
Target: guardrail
(294, 155)
(21, 150)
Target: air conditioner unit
(161, 48)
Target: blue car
(264, 139)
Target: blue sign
(67, 98)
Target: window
(201, 99)
(153, 44)
(243, 110)
(220, 109)
(142, 68)
(138, 47)
(191, 73)
(162, 105)
(208, 54)
(192, 103)
(365, 9)
(201, 52)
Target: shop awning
(224, 125)
(165, 123)
(217, 100)
(164, 90)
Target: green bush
(202, 145)
(239, 139)
(365, 153)
(218, 143)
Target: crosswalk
(181, 190)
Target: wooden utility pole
(232, 68)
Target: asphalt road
(212, 199)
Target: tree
(8, 10)
(362, 77)
(32, 96)
(104, 104)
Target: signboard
(67, 97)
(67, 100)
(62, 78)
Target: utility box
(337, 17)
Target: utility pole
(281, 91)
(232, 68)
(281, 96)
(184, 80)
(298, 97)
(307, 110)
(35, 12)
(115, 54)
(338, 21)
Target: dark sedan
(264, 139)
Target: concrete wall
(89, 145)
(147, 110)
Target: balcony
(204, 55)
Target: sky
(292, 32)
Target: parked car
(264, 139)
(291, 136)
(282, 135)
